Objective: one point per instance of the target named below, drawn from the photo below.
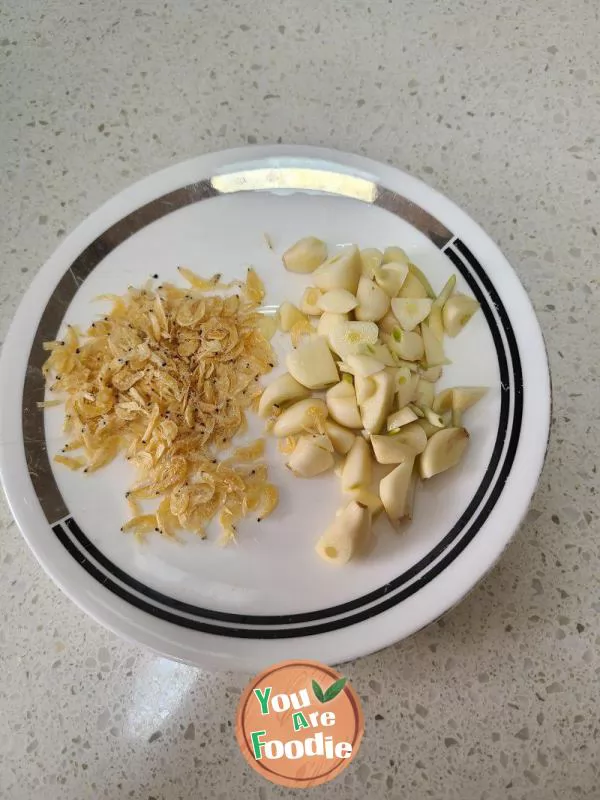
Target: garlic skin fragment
(311, 456)
(282, 390)
(457, 311)
(444, 450)
(375, 409)
(305, 255)
(396, 491)
(342, 405)
(340, 271)
(289, 315)
(372, 302)
(347, 534)
(340, 437)
(357, 470)
(299, 417)
(337, 301)
(312, 364)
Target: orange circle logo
(299, 724)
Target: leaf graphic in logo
(318, 692)
(334, 689)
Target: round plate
(269, 597)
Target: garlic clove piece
(305, 255)
(444, 450)
(340, 271)
(457, 311)
(299, 417)
(312, 364)
(282, 390)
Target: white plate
(269, 597)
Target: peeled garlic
(434, 349)
(411, 435)
(289, 315)
(351, 337)
(400, 418)
(406, 383)
(428, 428)
(312, 364)
(425, 393)
(341, 438)
(444, 450)
(327, 323)
(432, 374)
(406, 344)
(395, 255)
(348, 533)
(389, 322)
(435, 316)
(382, 353)
(457, 311)
(375, 409)
(306, 255)
(370, 258)
(309, 302)
(364, 387)
(458, 398)
(391, 277)
(372, 302)
(340, 271)
(369, 499)
(281, 390)
(463, 397)
(433, 418)
(300, 417)
(396, 491)
(342, 405)
(410, 311)
(412, 287)
(357, 470)
(364, 365)
(421, 277)
(311, 456)
(337, 301)
(443, 401)
(389, 451)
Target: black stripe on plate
(383, 591)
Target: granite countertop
(495, 105)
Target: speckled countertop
(496, 105)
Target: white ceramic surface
(273, 570)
